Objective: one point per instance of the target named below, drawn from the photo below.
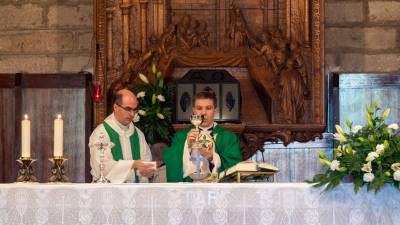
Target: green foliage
(155, 107)
(370, 155)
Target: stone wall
(362, 35)
(45, 36)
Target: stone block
(382, 63)
(344, 12)
(75, 63)
(26, 16)
(37, 42)
(70, 16)
(380, 11)
(85, 41)
(344, 38)
(380, 38)
(28, 64)
(338, 62)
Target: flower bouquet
(154, 117)
(368, 155)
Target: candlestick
(57, 170)
(58, 137)
(25, 171)
(26, 137)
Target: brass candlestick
(25, 171)
(57, 170)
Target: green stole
(117, 149)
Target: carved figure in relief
(299, 63)
(279, 60)
(237, 31)
(292, 93)
(182, 31)
(192, 36)
(203, 34)
(168, 40)
(264, 49)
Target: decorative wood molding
(154, 15)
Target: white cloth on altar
(117, 171)
(196, 203)
(189, 166)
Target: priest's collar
(210, 128)
(120, 125)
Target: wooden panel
(8, 151)
(53, 81)
(42, 97)
(42, 106)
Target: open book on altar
(249, 166)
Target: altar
(182, 203)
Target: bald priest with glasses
(127, 153)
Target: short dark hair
(117, 99)
(206, 95)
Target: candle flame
(59, 116)
(26, 116)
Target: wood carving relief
(279, 42)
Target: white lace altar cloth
(253, 204)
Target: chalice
(196, 120)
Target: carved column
(158, 17)
(110, 59)
(125, 6)
(307, 24)
(143, 24)
(99, 66)
(288, 19)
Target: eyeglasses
(128, 109)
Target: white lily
(393, 126)
(356, 128)
(161, 98)
(396, 175)
(395, 166)
(339, 137)
(141, 94)
(335, 164)
(371, 156)
(143, 78)
(142, 112)
(136, 118)
(368, 177)
(379, 148)
(367, 167)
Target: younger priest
(127, 151)
(221, 155)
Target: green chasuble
(117, 149)
(227, 146)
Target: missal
(249, 166)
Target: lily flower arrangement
(366, 155)
(154, 117)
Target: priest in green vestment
(127, 155)
(222, 153)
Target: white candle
(26, 137)
(58, 136)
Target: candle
(58, 137)
(26, 137)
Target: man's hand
(192, 135)
(207, 152)
(145, 169)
